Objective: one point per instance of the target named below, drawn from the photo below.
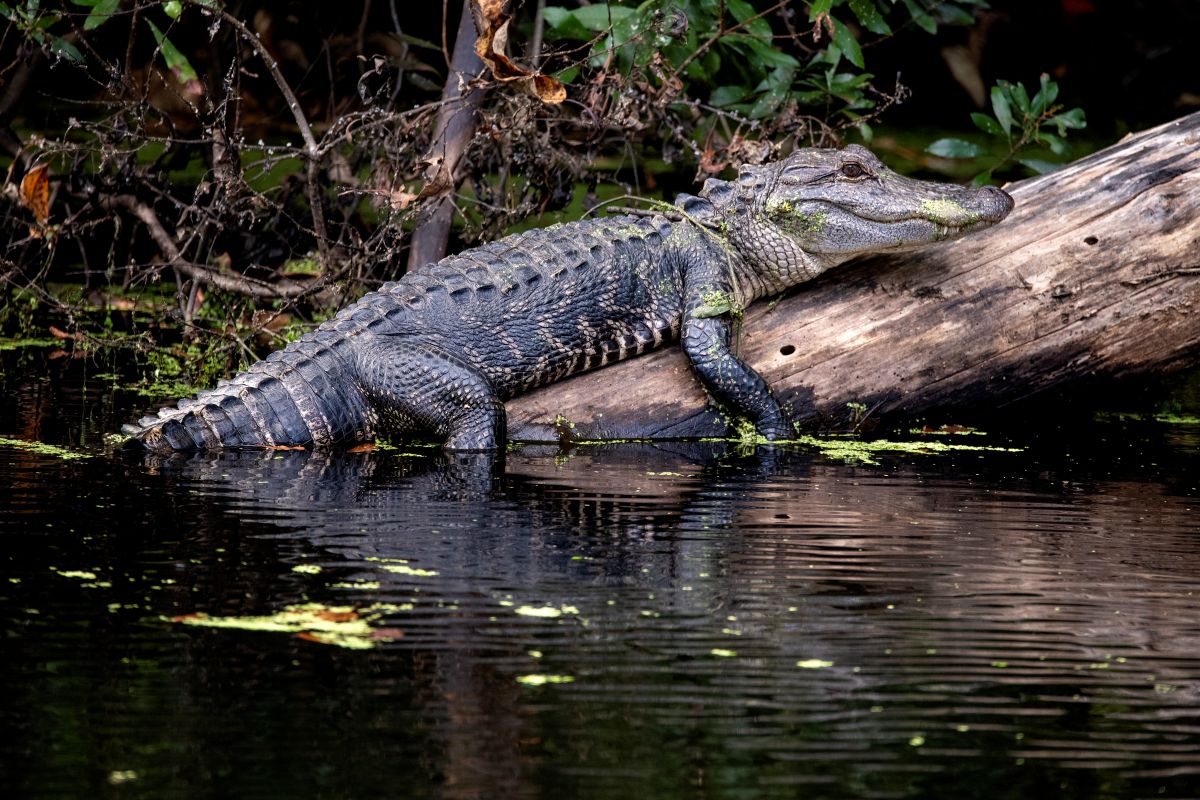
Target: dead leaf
(366, 447)
(35, 192)
(331, 615)
(491, 20)
(710, 164)
(58, 333)
(387, 634)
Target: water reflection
(761, 624)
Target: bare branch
(240, 284)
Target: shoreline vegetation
(227, 177)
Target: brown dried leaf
(35, 192)
(59, 333)
(710, 164)
(491, 20)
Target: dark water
(720, 624)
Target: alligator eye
(853, 170)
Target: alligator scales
(438, 352)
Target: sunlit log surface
(1094, 276)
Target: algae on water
(341, 626)
(43, 449)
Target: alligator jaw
(969, 210)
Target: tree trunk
(453, 131)
(1095, 275)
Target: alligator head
(793, 219)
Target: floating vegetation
(342, 626)
(864, 452)
(404, 569)
(545, 612)
(88, 579)
(43, 449)
(814, 663)
(81, 574)
(947, 430)
(542, 680)
(399, 566)
(1165, 417)
(362, 586)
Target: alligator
(438, 352)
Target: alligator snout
(996, 203)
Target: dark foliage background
(179, 177)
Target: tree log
(1095, 275)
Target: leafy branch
(1020, 123)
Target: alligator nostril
(1002, 196)
(787, 349)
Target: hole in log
(787, 349)
(1090, 240)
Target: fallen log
(1095, 275)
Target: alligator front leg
(707, 330)
(415, 387)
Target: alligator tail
(304, 394)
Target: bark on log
(1095, 275)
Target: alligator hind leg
(418, 388)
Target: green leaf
(173, 8)
(954, 148)
(417, 41)
(1045, 96)
(564, 24)
(1057, 145)
(1001, 108)
(982, 178)
(1020, 97)
(64, 49)
(848, 44)
(1038, 165)
(600, 16)
(761, 55)
(777, 85)
(740, 9)
(920, 16)
(987, 124)
(818, 8)
(866, 132)
(1068, 119)
(868, 14)
(726, 95)
(954, 15)
(568, 75)
(176, 61)
(101, 12)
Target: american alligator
(438, 352)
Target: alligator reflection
(762, 617)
